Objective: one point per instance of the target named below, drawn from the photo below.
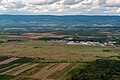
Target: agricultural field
(51, 60)
(3, 36)
(23, 68)
(56, 50)
(39, 47)
(17, 70)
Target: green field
(56, 50)
(45, 54)
(3, 36)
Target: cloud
(43, 2)
(11, 5)
(102, 2)
(114, 10)
(71, 2)
(61, 6)
(112, 3)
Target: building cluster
(92, 43)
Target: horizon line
(57, 15)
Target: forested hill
(47, 20)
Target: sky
(60, 7)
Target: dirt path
(48, 70)
(8, 61)
(17, 70)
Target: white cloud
(71, 2)
(112, 3)
(61, 6)
(43, 2)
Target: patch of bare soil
(8, 61)
(17, 70)
(116, 50)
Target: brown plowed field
(8, 61)
(17, 70)
(48, 70)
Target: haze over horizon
(60, 7)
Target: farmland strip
(48, 70)
(20, 69)
(8, 61)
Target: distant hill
(7, 20)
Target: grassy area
(3, 36)
(57, 61)
(55, 50)
(37, 43)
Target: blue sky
(60, 7)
